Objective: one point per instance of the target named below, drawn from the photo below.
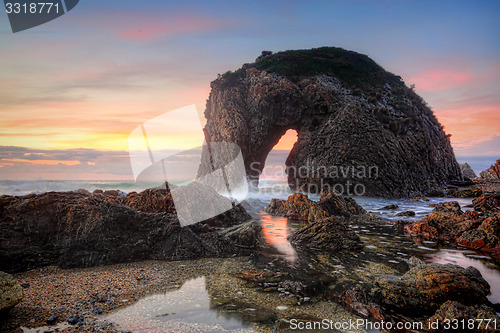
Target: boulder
(465, 192)
(357, 301)
(477, 239)
(408, 213)
(443, 225)
(424, 288)
(390, 207)
(467, 171)
(328, 235)
(450, 206)
(488, 203)
(300, 207)
(11, 292)
(73, 229)
(360, 129)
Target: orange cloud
(44, 162)
(440, 80)
(469, 122)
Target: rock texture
(470, 229)
(488, 203)
(467, 171)
(300, 207)
(358, 301)
(11, 292)
(75, 229)
(425, 287)
(328, 235)
(492, 173)
(482, 317)
(357, 124)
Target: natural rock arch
(350, 115)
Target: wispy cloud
(440, 80)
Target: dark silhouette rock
(492, 173)
(73, 229)
(488, 203)
(300, 207)
(11, 292)
(328, 235)
(390, 207)
(408, 213)
(424, 288)
(360, 129)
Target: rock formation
(467, 171)
(76, 229)
(492, 173)
(360, 129)
(328, 235)
(425, 287)
(11, 292)
(300, 207)
(469, 229)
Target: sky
(73, 89)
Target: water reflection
(185, 310)
(275, 232)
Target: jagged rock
(77, 229)
(360, 129)
(477, 239)
(357, 301)
(150, 201)
(465, 192)
(11, 292)
(491, 225)
(443, 225)
(329, 235)
(467, 171)
(424, 288)
(450, 206)
(482, 317)
(488, 203)
(492, 173)
(246, 235)
(390, 207)
(300, 207)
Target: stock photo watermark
(26, 14)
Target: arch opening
(274, 170)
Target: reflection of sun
(275, 233)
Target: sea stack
(357, 124)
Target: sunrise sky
(73, 89)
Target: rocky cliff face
(357, 124)
(492, 173)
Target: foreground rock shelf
(79, 229)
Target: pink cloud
(470, 122)
(147, 27)
(440, 80)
